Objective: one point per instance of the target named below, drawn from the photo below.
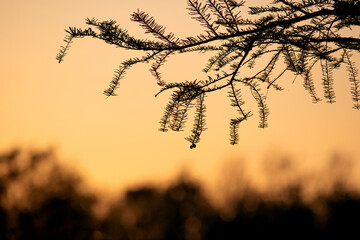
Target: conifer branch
(159, 61)
(236, 99)
(216, 59)
(217, 9)
(234, 128)
(260, 99)
(150, 25)
(354, 80)
(64, 49)
(309, 83)
(328, 81)
(199, 121)
(264, 77)
(302, 33)
(120, 72)
(179, 115)
(200, 14)
(273, 84)
(229, 7)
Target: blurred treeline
(42, 199)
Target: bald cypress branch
(246, 53)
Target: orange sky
(115, 141)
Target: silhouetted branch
(304, 34)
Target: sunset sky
(115, 141)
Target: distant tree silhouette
(54, 208)
(59, 217)
(304, 34)
(179, 212)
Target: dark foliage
(179, 212)
(57, 218)
(54, 208)
(58, 209)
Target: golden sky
(115, 140)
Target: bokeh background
(114, 142)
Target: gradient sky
(115, 141)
